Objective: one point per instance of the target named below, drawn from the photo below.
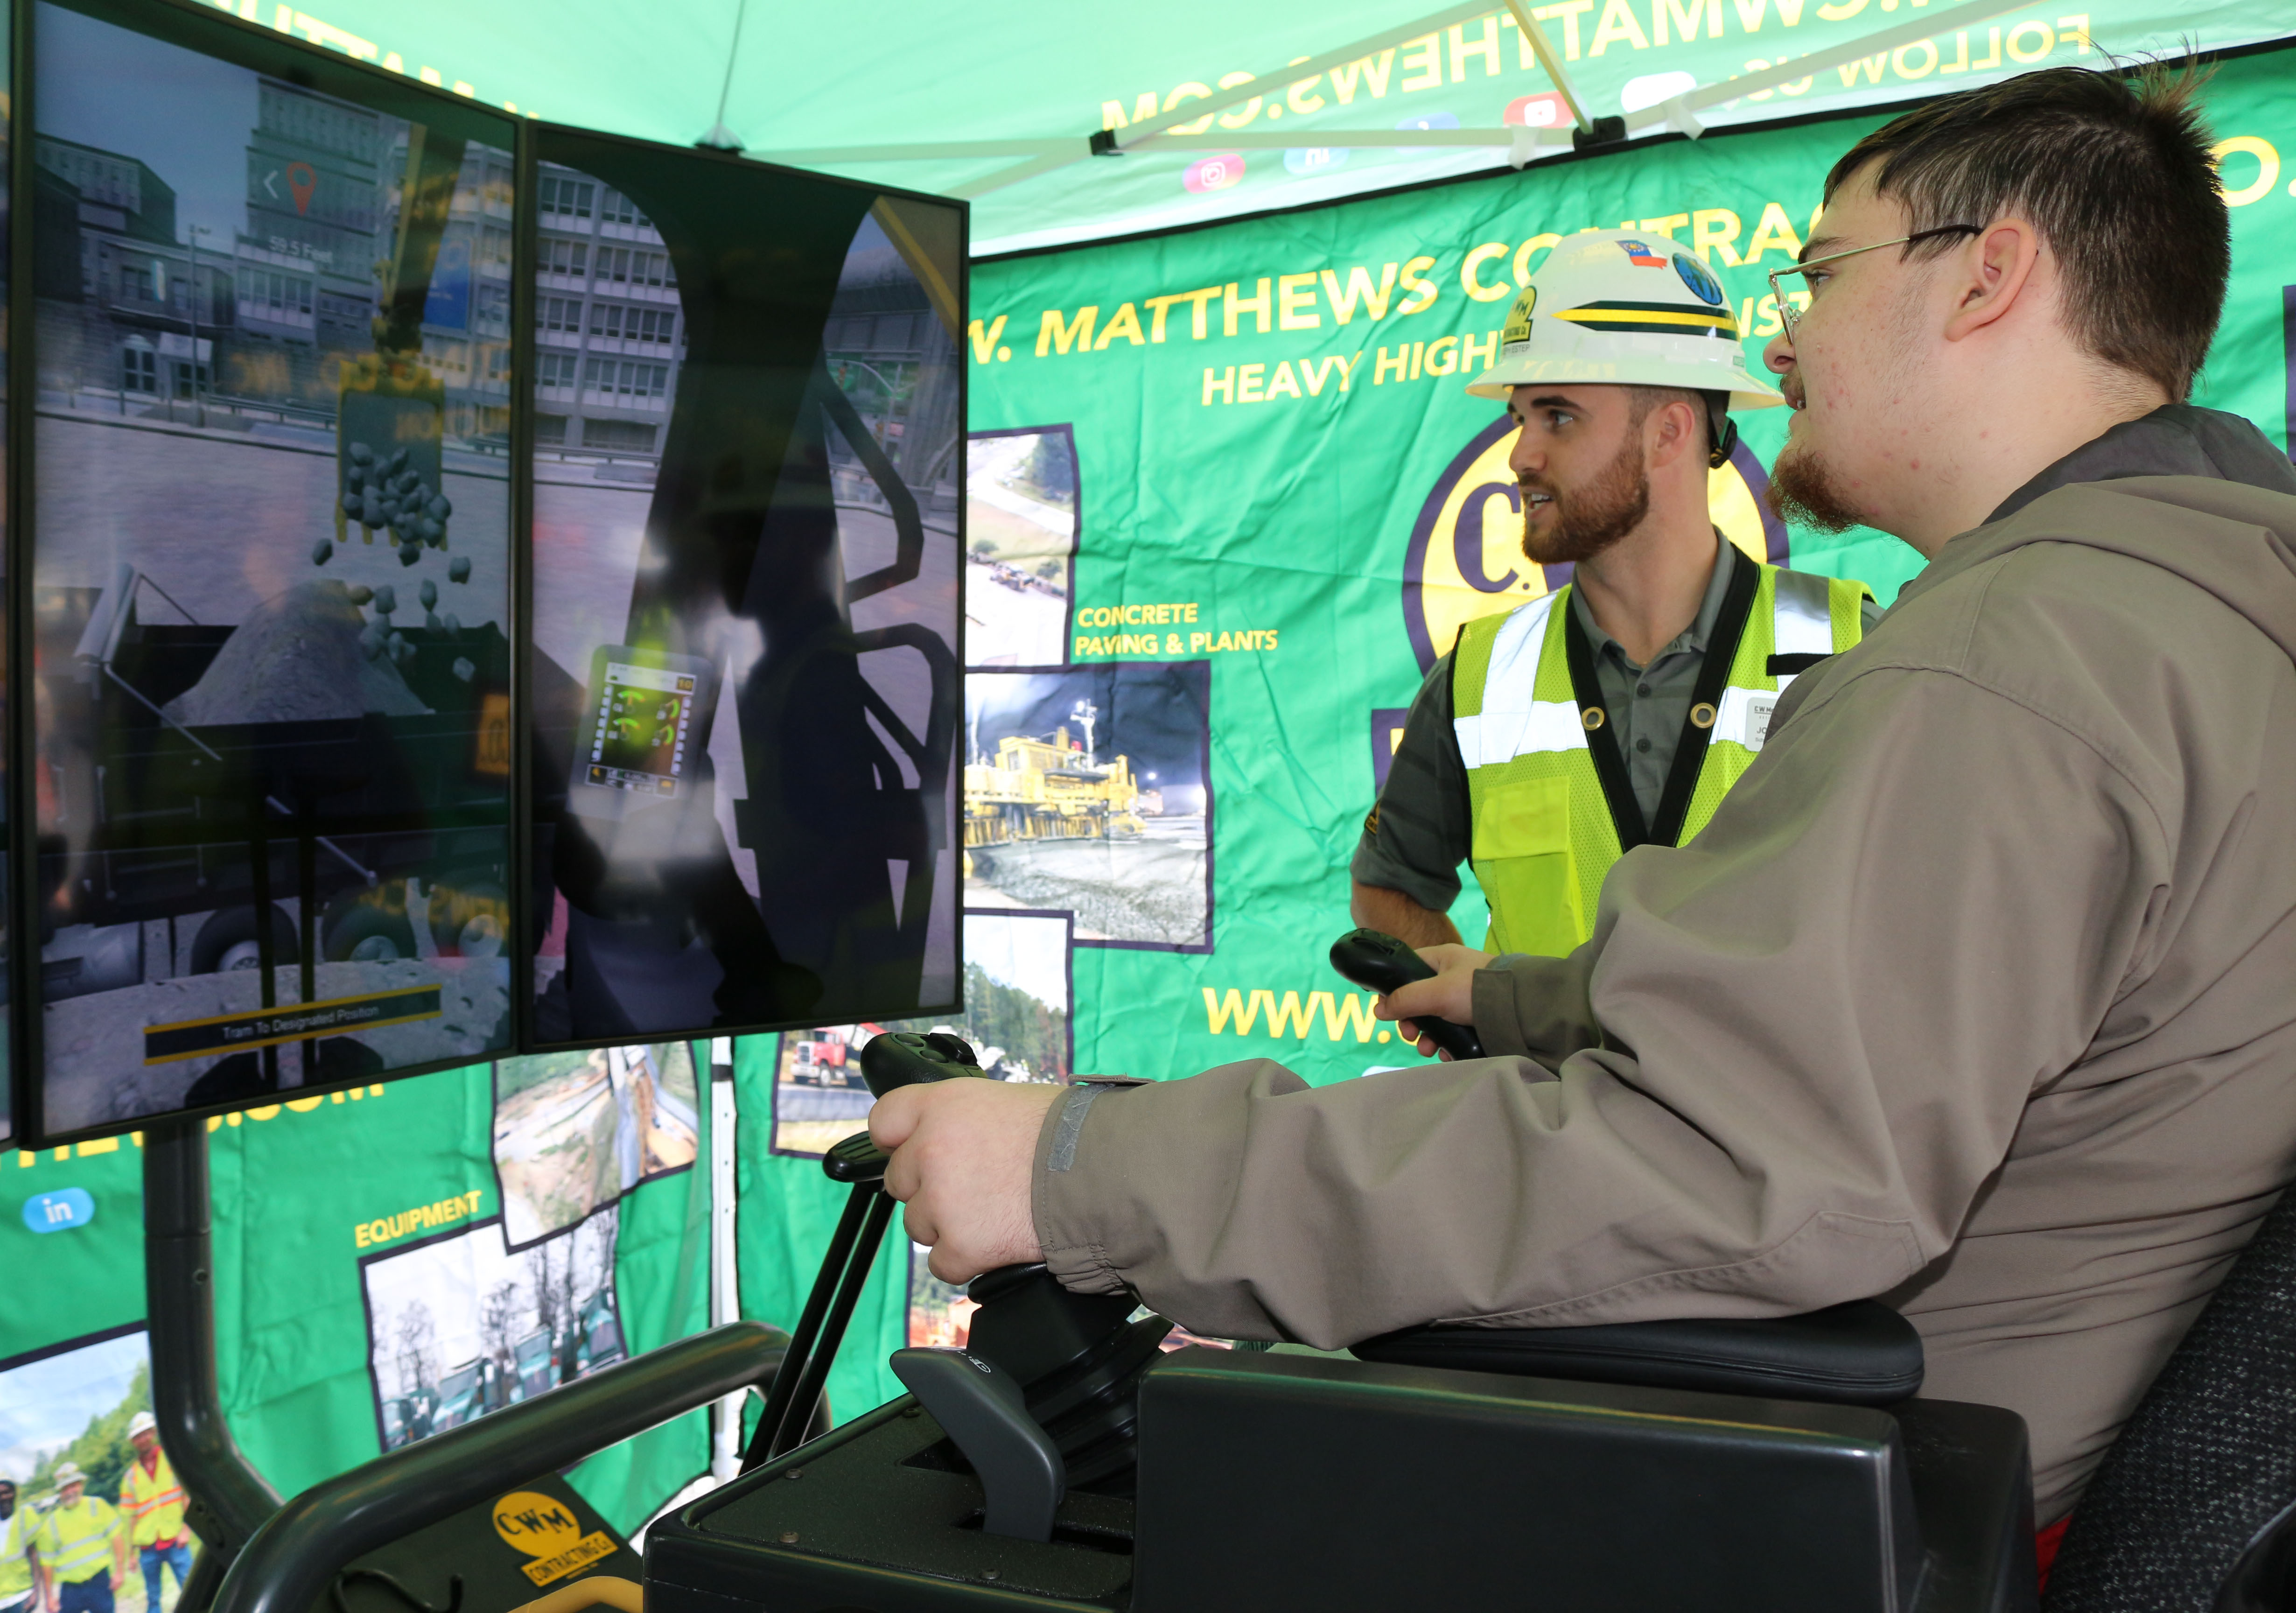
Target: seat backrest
(2204, 1471)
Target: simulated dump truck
(325, 782)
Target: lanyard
(1697, 728)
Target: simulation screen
(748, 488)
(7, 1053)
(271, 538)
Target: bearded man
(1615, 711)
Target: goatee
(1591, 518)
(1803, 492)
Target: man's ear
(1671, 430)
(1989, 274)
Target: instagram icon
(1214, 173)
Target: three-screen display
(350, 762)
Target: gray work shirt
(1420, 833)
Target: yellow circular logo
(539, 1525)
(1465, 559)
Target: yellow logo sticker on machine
(541, 1526)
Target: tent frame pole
(227, 1500)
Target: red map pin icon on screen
(303, 179)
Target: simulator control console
(1064, 1460)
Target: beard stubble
(1591, 518)
(1804, 491)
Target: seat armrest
(1861, 1354)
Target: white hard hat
(1615, 308)
(68, 1473)
(142, 1423)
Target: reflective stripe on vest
(81, 1537)
(15, 1567)
(153, 1502)
(1542, 832)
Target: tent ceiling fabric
(911, 74)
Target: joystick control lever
(903, 1058)
(1381, 962)
(979, 1405)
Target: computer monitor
(745, 675)
(270, 550)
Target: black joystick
(903, 1058)
(1381, 962)
(1074, 1360)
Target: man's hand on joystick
(964, 1153)
(1449, 994)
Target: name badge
(1759, 708)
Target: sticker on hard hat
(1517, 320)
(1649, 319)
(1639, 253)
(1699, 279)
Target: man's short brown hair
(2115, 173)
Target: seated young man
(1976, 993)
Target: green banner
(390, 1262)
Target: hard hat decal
(1518, 319)
(1649, 318)
(1699, 279)
(1602, 321)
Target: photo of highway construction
(710, 881)
(1021, 526)
(1087, 791)
(271, 540)
(462, 1325)
(574, 1132)
(1016, 1016)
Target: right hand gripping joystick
(1381, 962)
(901, 1058)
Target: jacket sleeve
(1812, 1032)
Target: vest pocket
(1521, 854)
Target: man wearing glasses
(1974, 993)
(1616, 711)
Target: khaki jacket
(1978, 994)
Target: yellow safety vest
(76, 1542)
(153, 1502)
(1543, 835)
(15, 1567)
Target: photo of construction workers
(1021, 523)
(461, 1325)
(701, 643)
(1017, 996)
(1086, 790)
(91, 1514)
(270, 579)
(574, 1132)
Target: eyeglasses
(1790, 317)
